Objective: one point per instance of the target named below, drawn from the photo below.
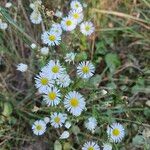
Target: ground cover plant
(74, 75)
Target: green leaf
(91, 83)
(147, 112)
(113, 62)
(138, 140)
(8, 109)
(57, 145)
(94, 81)
(75, 130)
(139, 86)
(112, 85)
(67, 146)
(81, 56)
(100, 48)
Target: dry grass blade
(147, 3)
(11, 21)
(120, 14)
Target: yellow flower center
(116, 132)
(55, 69)
(85, 69)
(57, 119)
(44, 81)
(68, 22)
(76, 16)
(52, 95)
(36, 16)
(76, 5)
(52, 37)
(74, 102)
(38, 127)
(87, 28)
(91, 148)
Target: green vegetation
(119, 50)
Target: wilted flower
(33, 46)
(47, 120)
(107, 146)
(22, 67)
(3, 25)
(8, 5)
(58, 14)
(67, 124)
(91, 124)
(64, 135)
(44, 50)
(70, 57)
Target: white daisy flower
(68, 23)
(3, 25)
(116, 132)
(51, 38)
(90, 146)
(36, 17)
(91, 124)
(54, 68)
(58, 14)
(58, 119)
(56, 27)
(85, 69)
(44, 50)
(74, 102)
(107, 146)
(68, 124)
(87, 28)
(70, 57)
(76, 5)
(22, 67)
(33, 46)
(8, 5)
(47, 120)
(77, 15)
(64, 135)
(52, 96)
(39, 127)
(43, 81)
(64, 80)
